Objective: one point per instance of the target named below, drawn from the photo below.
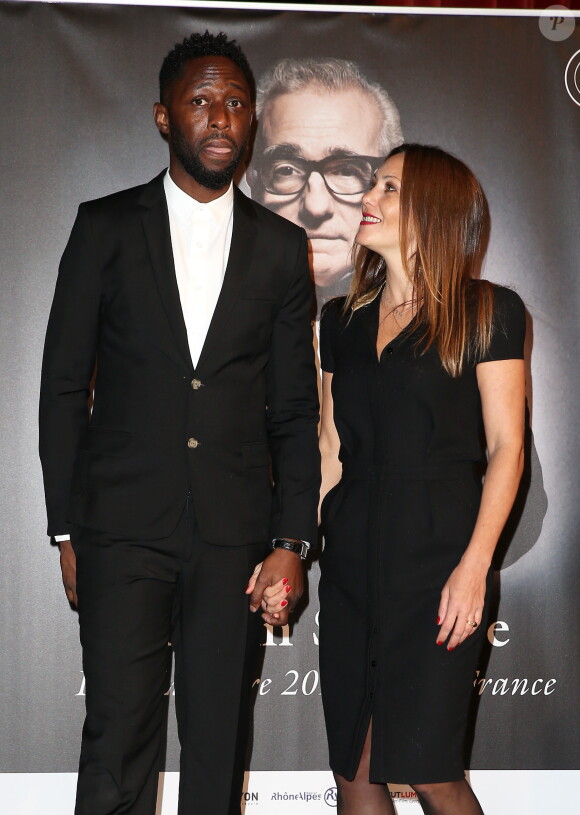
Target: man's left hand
(281, 573)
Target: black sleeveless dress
(395, 527)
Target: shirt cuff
(60, 538)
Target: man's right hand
(68, 566)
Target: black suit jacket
(243, 441)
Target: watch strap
(298, 547)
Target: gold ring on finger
(472, 623)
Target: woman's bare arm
(502, 389)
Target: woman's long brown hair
(444, 211)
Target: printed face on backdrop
(206, 118)
(313, 160)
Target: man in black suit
(199, 459)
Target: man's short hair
(290, 75)
(202, 45)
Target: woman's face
(379, 227)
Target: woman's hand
(252, 581)
(461, 604)
(276, 599)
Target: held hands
(461, 604)
(276, 585)
(68, 567)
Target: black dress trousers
(137, 600)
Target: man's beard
(193, 166)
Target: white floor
(514, 792)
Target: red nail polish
(288, 588)
(439, 642)
(284, 581)
(450, 648)
(284, 603)
(438, 620)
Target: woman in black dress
(422, 373)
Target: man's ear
(161, 117)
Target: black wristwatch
(298, 547)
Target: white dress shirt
(201, 236)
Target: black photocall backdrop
(78, 84)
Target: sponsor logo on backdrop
(331, 797)
(250, 799)
(572, 77)
(557, 23)
(404, 795)
(306, 797)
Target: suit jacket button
(192, 443)
(195, 384)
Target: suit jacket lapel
(155, 218)
(241, 249)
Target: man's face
(314, 124)
(206, 118)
